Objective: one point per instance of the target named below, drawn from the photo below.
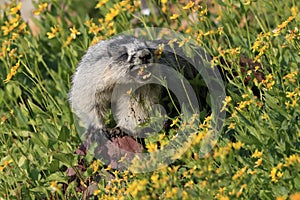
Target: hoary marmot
(112, 62)
(107, 64)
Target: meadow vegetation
(258, 153)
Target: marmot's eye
(123, 56)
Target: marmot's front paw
(115, 133)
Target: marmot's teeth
(147, 75)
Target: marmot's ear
(116, 50)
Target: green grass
(257, 155)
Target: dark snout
(143, 56)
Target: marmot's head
(130, 58)
(120, 60)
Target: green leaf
(35, 109)
(272, 102)
(40, 139)
(297, 182)
(67, 159)
(58, 176)
(64, 134)
(279, 190)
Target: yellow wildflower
(13, 71)
(244, 104)
(16, 9)
(211, 32)
(281, 26)
(96, 39)
(12, 53)
(112, 31)
(232, 192)
(265, 116)
(292, 159)
(208, 119)
(222, 189)
(252, 172)
(41, 8)
(247, 2)
(101, 3)
(237, 145)
(151, 147)
(54, 186)
(154, 177)
(189, 30)
(174, 16)
(226, 102)
(83, 183)
(231, 126)
(6, 164)
(244, 96)
(203, 12)
(74, 32)
(93, 28)
(234, 113)
(95, 165)
(125, 3)
(294, 11)
(291, 76)
(224, 198)
(53, 32)
(15, 20)
(239, 193)
(136, 186)
(96, 192)
(258, 162)
(234, 51)
(279, 174)
(189, 184)
(261, 52)
(295, 196)
(257, 154)
(171, 192)
(290, 95)
(4, 47)
(294, 102)
(174, 122)
(68, 41)
(273, 175)
(111, 15)
(239, 173)
(185, 195)
(3, 119)
(188, 6)
(269, 82)
(8, 27)
(198, 137)
(255, 45)
(228, 99)
(108, 168)
(21, 27)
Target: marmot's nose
(144, 55)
